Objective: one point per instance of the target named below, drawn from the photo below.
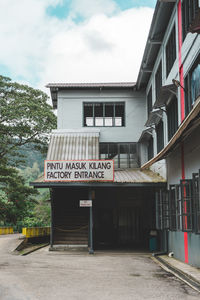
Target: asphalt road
(68, 276)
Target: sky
(44, 41)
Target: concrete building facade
(148, 127)
(173, 94)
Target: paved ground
(68, 276)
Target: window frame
(187, 202)
(196, 201)
(170, 50)
(114, 103)
(158, 79)
(189, 9)
(150, 148)
(172, 116)
(162, 210)
(173, 208)
(119, 159)
(160, 135)
(189, 102)
(149, 101)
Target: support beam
(147, 70)
(91, 250)
(52, 218)
(154, 42)
(168, 1)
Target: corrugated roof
(92, 85)
(137, 176)
(120, 176)
(154, 118)
(54, 87)
(146, 135)
(73, 145)
(161, 17)
(164, 95)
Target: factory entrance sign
(78, 170)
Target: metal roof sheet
(92, 85)
(137, 176)
(146, 135)
(161, 17)
(54, 87)
(166, 92)
(73, 145)
(154, 118)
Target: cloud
(38, 48)
(88, 8)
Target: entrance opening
(123, 218)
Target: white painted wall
(70, 112)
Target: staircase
(71, 228)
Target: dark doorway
(123, 218)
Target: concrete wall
(191, 145)
(190, 51)
(176, 245)
(70, 112)
(191, 159)
(160, 167)
(192, 164)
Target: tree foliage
(25, 118)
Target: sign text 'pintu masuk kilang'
(84, 170)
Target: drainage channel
(179, 274)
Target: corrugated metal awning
(73, 145)
(154, 118)
(129, 177)
(137, 176)
(166, 92)
(146, 135)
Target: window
(149, 101)
(187, 211)
(109, 114)
(196, 201)
(195, 83)
(172, 205)
(192, 86)
(172, 117)
(150, 148)
(158, 79)
(125, 155)
(162, 210)
(160, 137)
(180, 207)
(171, 51)
(189, 10)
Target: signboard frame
(79, 180)
(85, 203)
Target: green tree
(25, 117)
